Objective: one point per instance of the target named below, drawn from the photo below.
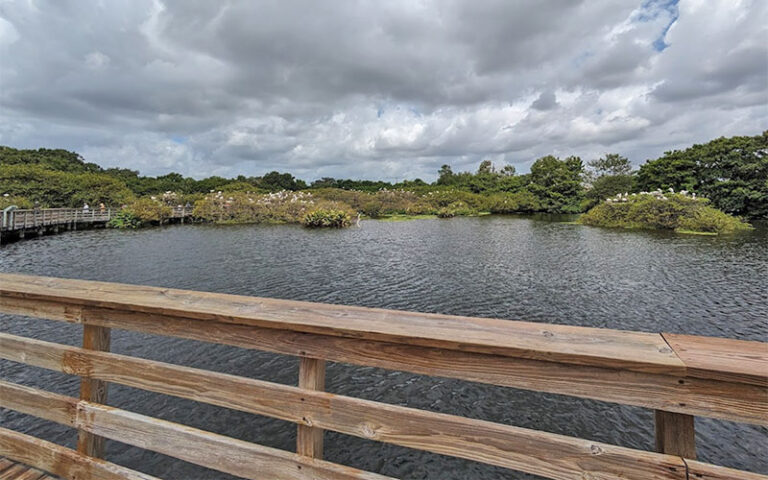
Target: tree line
(731, 172)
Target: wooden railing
(19, 219)
(678, 376)
(32, 218)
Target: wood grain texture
(511, 447)
(61, 461)
(18, 471)
(722, 358)
(211, 450)
(196, 446)
(675, 434)
(711, 398)
(309, 439)
(14, 472)
(706, 471)
(92, 389)
(5, 463)
(34, 474)
(636, 351)
(546, 454)
(697, 376)
(48, 405)
(41, 309)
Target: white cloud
(8, 33)
(377, 89)
(96, 60)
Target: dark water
(506, 267)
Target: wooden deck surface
(10, 470)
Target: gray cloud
(546, 101)
(376, 89)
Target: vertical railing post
(94, 338)
(309, 439)
(675, 434)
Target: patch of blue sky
(383, 108)
(581, 58)
(651, 10)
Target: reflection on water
(522, 268)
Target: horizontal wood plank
(540, 453)
(14, 472)
(35, 474)
(196, 446)
(10, 470)
(636, 351)
(210, 450)
(722, 358)
(5, 464)
(61, 461)
(709, 398)
(706, 471)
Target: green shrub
(124, 219)
(149, 211)
(277, 207)
(62, 189)
(520, 202)
(422, 207)
(711, 220)
(660, 211)
(445, 198)
(372, 209)
(446, 212)
(326, 218)
(20, 202)
(456, 209)
(607, 186)
(242, 207)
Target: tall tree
(445, 175)
(608, 176)
(611, 164)
(731, 172)
(557, 183)
(485, 167)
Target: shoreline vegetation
(717, 184)
(681, 212)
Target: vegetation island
(709, 188)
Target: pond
(520, 268)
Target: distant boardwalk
(18, 224)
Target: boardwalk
(10, 470)
(19, 223)
(676, 376)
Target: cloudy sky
(376, 89)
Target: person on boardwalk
(86, 208)
(102, 207)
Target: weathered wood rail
(10, 470)
(25, 219)
(18, 223)
(678, 376)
